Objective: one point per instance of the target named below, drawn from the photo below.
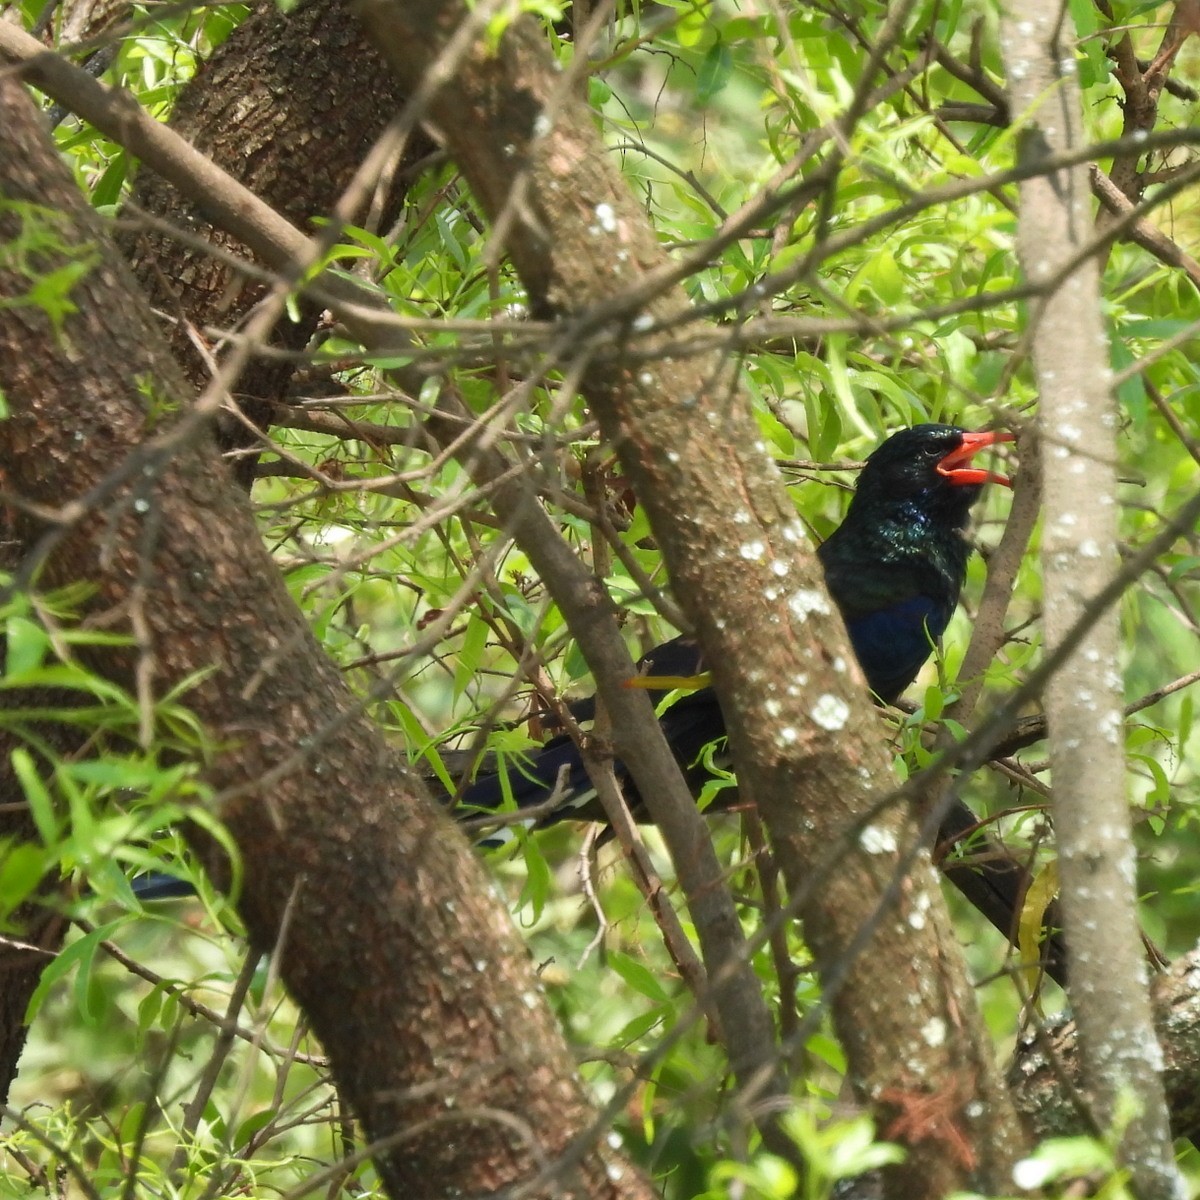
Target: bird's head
(931, 465)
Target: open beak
(956, 465)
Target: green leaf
(22, 867)
(1185, 565)
(253, 1125)
(1061, 1158)
(26, 645)
(470, 657)
(714, 72)
(78, 953)
(693, 26)
(107, 192)
(575, 665)
(41, 805)
(824, 418)
(539, 881)
(599, 92)
(637, 1027)
(148, 1010)
(640, 978)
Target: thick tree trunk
(291, 105)
(408, 969)
(1046, 1074)
(739, 1008)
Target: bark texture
(802, 729)
(288, 105)
(395, 948)
(1046, 1074)
(292, 104)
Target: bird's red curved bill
(955, 465)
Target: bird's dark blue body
(690, 724)
(897, 563)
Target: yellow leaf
(1038, 897)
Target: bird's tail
(995, 883)
(158, 885)
(550, 784)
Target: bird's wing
(893, 613)
(691, 723)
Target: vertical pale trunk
(1084, 699)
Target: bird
(895, 568)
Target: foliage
(876, 305)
